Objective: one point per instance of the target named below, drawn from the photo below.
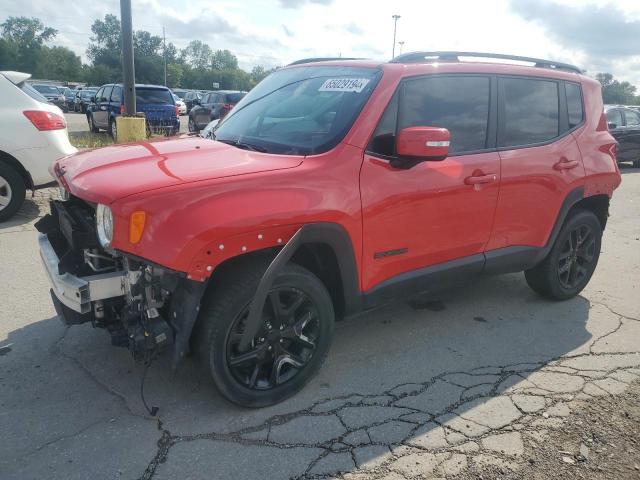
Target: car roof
(479, 65)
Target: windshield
(154, 95)
(299, 111)
(47, 89)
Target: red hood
(108, 174)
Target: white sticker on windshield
(344, 85)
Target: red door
(541, 161)
(425, 215)
(436, 211)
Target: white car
(182, 107)
(33, 133)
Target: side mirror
(417, 144)
(612, 125)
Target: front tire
(113, 129)
(291, 345)
(572, 259)
(92, 125)
(12, 191)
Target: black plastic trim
(331, 234)
(434, 277)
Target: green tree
(224, 60)
(197, 54)
(616, 92)
(59, 63)
(106, 44)
(23, 40)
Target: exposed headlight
(104, 225)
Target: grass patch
(90, 140)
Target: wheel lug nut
(280, 340)
(270, 347)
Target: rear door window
(234, 97)
(154, 95)
(458, 103)
(530, 112)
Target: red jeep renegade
(332, 187)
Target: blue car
(155, 101)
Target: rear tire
(281, 360)
(636, 164)
(572, 260)
(193, 128)
(12, 191)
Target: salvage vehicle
(33, 133)
(52, 93)
(212, 106)
(331, 188)
(624, 125)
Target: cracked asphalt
(437, 387)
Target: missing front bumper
(75, 292)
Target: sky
(596, 35)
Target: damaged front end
(143, 306)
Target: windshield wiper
(245, 146)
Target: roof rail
(320, 59)
(424, 57)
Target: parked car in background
(333, 188)
(69, 98)
(624, 125)
(180, 92)
(83, 99)
(213, 105)
(52, 93)
(33, 133)
(155, 101)
(182, 107)
(191, 99)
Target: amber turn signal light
(136, 225)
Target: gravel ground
(600, 440)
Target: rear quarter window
(574, 104)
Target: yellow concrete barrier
(130, 129)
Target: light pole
(401, 45)
(127, 58)
(395, 25)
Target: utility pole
(164, 54)
(128, 69)
(395, 25)
(401, 45)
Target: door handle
(565, 164)
(480, 179)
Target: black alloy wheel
(576, 256)
(293, 339)
(572, 260)
(284, 345)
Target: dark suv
(156, 102)
(332, 188)
(624, 125)
(213, 106)
(191, 99)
